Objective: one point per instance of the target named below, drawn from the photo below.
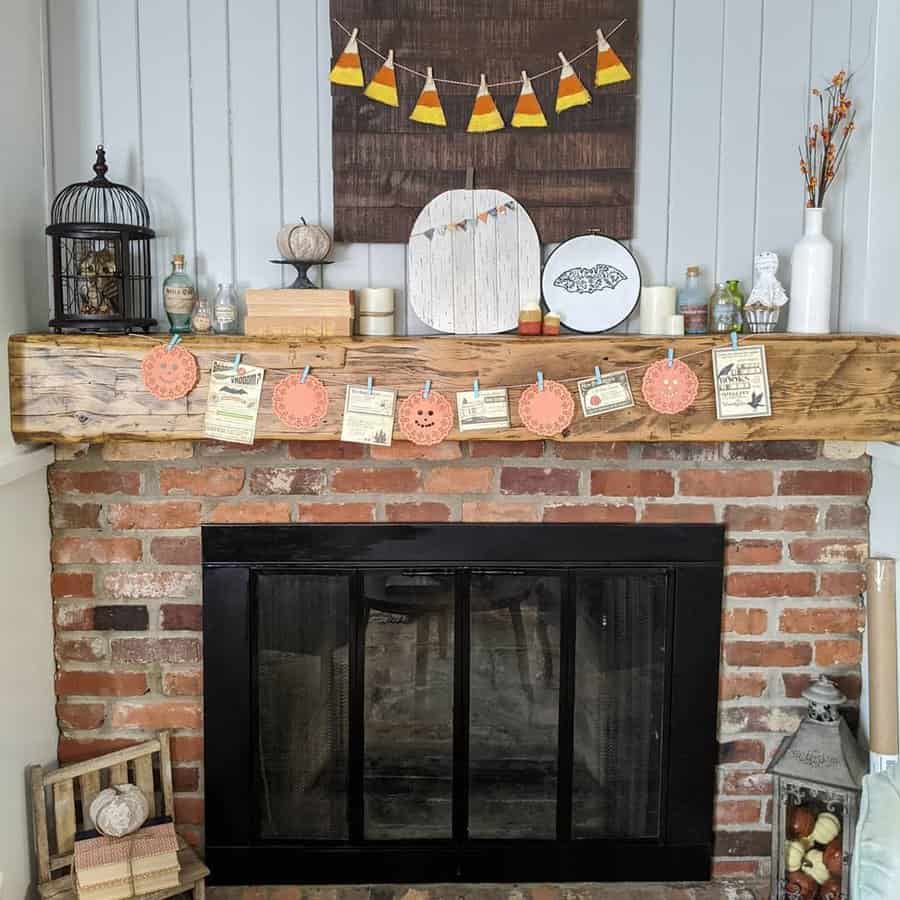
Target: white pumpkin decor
(119, 810)
(304, 242)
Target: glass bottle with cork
(178, 297)
(692, 303)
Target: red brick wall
(126, 580)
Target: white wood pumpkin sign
(474, 260)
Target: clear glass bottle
(693, 303)
(734, 288)
(224, 319)
(178, 297)
(722, 311)
(201, 318)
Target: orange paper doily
(425, 420)
(169, 374)
(549, 411)
(669, 389)
(300, 404)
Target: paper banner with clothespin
(571, 91)
(528, 112)
(610, 69)
(485, 115)
(348, 68)
(428, 109)
(383, 86)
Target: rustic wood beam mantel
(70, 388)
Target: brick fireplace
(127, 591)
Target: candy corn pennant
(485, 115)
(609, 67)
(571, 91)
(383, 86)
(428, 108)
(528, 112)
(348, 69)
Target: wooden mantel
(69, 388)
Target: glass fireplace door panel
(513, 705)
(302, 672)
(620, 689)
(408, 705)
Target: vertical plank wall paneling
(219, 111)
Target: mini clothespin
(540, 380)
(427, 390)
(598, 378)
(671, 357)
(172, 342)
(371, 385)
(476, 388)
(305, 375)
(237, 360)
(734, 340)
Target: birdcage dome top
(100, 202)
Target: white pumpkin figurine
(119, 810)
(304, 242)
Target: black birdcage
(101, 256)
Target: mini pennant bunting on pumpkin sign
(610, 69)
(428, 109)
(348, 69)
(485, 115)
(383, 86)
(528, 112)
(571, 91)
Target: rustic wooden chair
(68, 792)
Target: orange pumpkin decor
(425, 420)
(833, 857)
(546, 408)
(801, 822)
(169, 374)
(300, 401)
(831, 890)
(801, 886)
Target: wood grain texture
(376, 146)
(73, 388)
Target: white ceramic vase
(811, 271)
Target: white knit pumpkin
(119, 810)
(310, 243)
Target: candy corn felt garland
(485, 117)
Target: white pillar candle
(657, 307)
(676, 326)
(376, 300)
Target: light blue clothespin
(540, 380)
(671, 357)
(476, 387)
(305, 375)
(237, 360)
(427, 390)
(172, 342)
(734, 340)
(371, 385)
(598, 378)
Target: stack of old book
(299, 313)
(118, 868)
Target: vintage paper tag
(742, 383)
(368, 418)
(613, 392)
(233, 402)
(490, 409)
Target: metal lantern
(101, 256)
(817, 779)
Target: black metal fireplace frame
(691, 556)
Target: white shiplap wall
(219, 112)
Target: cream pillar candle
(657, 307)
(375, 311)
(881, 604)
(675, 326)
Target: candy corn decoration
(383, 87)
(485, 115)
(571, 91)
(428, 109)
(528, 112)
(348, 69)
(609, 67)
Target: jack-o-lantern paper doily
(169, 374)
(549, 411)
(300, 404)
(425, 420)
(669, 389)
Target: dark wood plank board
(575, 176)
